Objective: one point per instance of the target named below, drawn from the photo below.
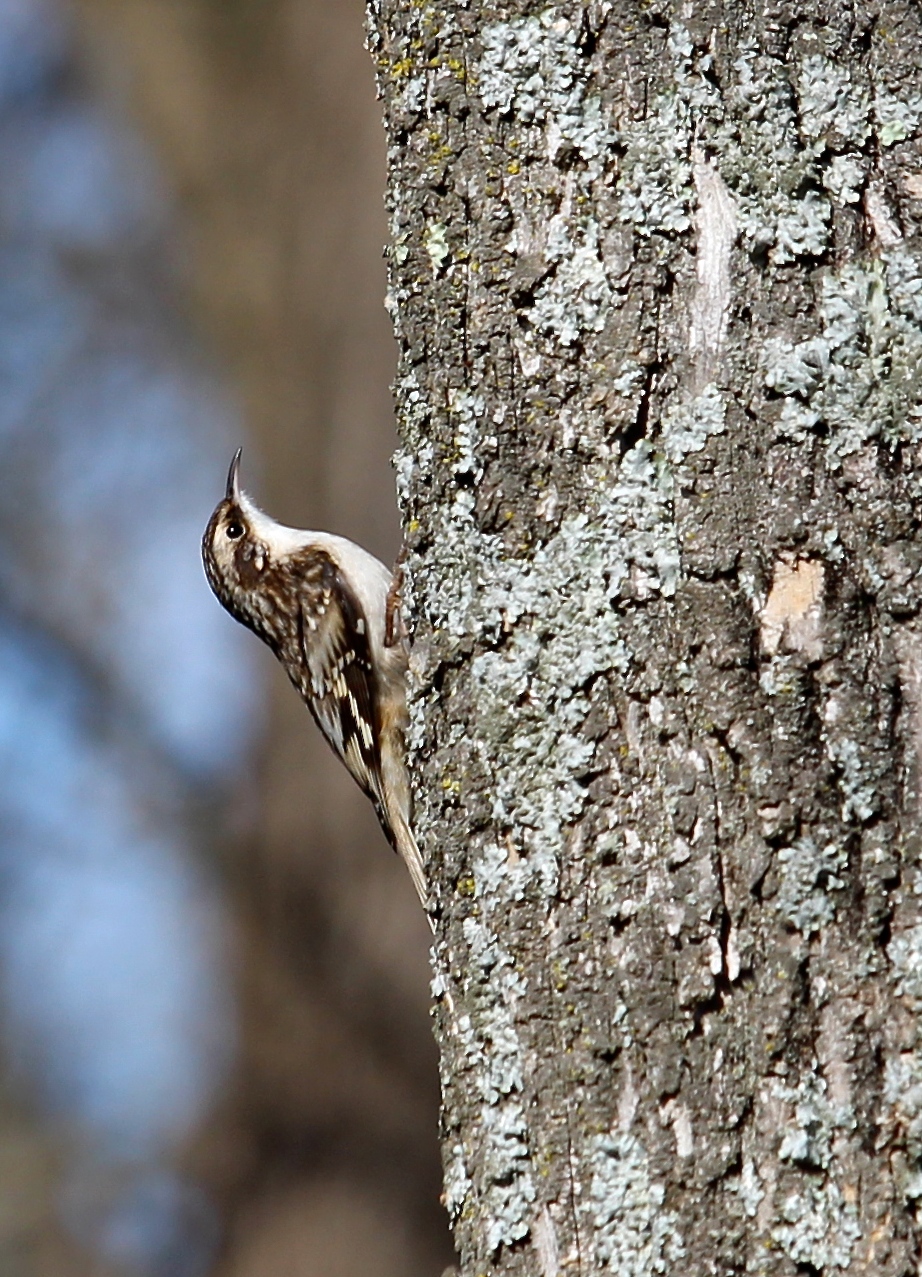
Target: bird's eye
(234, 531)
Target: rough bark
(657, 283)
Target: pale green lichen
(903, 1071)
(820, 1225)
(844, 178)
(859, 793)
(897, 119)
(831, 101)
(628, 380)
(802, 229)
(777, 139)
(633, 1232)
(457, 1182)
(814, 1124)
(905, 954)
(795, 369)
(860, 376)
(623, 541)
(491, 1050)
(750, 1189)
(809, 873)
(655, 185)
(531, 65)
(576, 298)
(533, 69)
(622, 544)
(763, 161)
(796, 422)
(903, 1093)
(437, 246)
(784, 136)
(687, 424)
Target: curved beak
(233, 487)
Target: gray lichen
(622, 544)
(810, 874)
(633, 1231)
(820, 1226)
(492, 1054)
(905, 954)
(815, 1122)
(859, 375)
(687, 425)
(532, 68)
(576, 298)
(903, 1095)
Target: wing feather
(343, 692)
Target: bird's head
(244, 552)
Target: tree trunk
(657, 285)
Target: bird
(326, 608)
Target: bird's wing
(343, 693)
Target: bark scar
(715, 222)
(793, 613)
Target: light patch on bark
(716, 225)
(733, 954)
(627, 1101)
(437, 246)
(833, 1047)
(793, 613)
(881, 217)
(909, 656)
(679, 1119)
(545, 1239)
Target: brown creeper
(322, 603)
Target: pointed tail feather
(411, 856)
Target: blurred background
(215, 1057)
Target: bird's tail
(398, 803)
(410, 854)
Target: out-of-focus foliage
(126, 697)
